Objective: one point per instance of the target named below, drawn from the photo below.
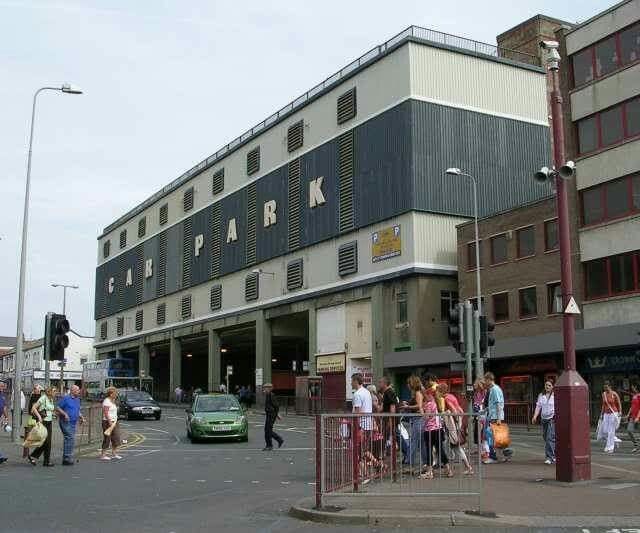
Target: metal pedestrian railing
(398, 455)
(88, 433)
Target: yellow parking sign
(386, 243)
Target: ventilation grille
(253, 161)
(187, 239)
(187, 200)
(345, 177)
(142, 227)
(294, 275)
(161, 314)
(139, 274)
(123, 238)
(216, 240)
(164, 214)
(295, 136)
(251, 287)
(139, 320)
(120, 326)
(106, 249)
(217, 182)
(251, 223)
(216, 297)
(293, 170)
(161, 287)
(348, 258)
(103, 330)
(185, 307)
(347, 108)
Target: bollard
(355, 442)
(318, 463)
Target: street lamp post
(457, 172)
(64, 294)
(573, 448)
(17, 380)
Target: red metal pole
(571, 395)
(318, 463)
(355, 442)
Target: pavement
(166, 484)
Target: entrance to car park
(194, 364)
(159, 371)
(238, 351)
(289, 351)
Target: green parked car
(216, 416)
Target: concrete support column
(215, 360)
(313, 340)
(143, 360)
(175, 365)
(377, 332)
(263, 352)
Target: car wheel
(244, 439)
(158, 416)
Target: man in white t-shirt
(362, 402)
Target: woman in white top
(110, 425)
(545, 409)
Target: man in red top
(634, 417)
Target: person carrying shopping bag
(609, 418)
(43, 410)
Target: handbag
(600, 434)
(36, 436)
(501, 435)
(452, 430)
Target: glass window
(635, 186)
(606, 57)
(582, 66)
(622, 273)
(474, 303)
(588, 134)
(401, 307)
(592, 209)
(499, 249)
(617, 198)
(611, 126)
(551, 235)
(554, 298)
(526, 242)
(501, 307)
(447, 300)
(471, 255)
(630, 44)
(596, 273)
(528, 302)
(632, 113)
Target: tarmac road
(166, 484)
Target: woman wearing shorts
(109, 419)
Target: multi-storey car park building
(323, 240)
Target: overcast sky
(166, 84)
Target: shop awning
(545, 344)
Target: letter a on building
(232, 233)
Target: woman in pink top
(433, 437)
(455, 426)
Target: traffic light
(456, 327)
(56, 340)
(486, 338)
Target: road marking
(255, 482)
(201, 480)
(294, 430)
(145, 453)
(175, 417)
(285, 482)
(158, 430)
(228, 481)
(620, 486)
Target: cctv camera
(543, 175)
(549, 45)
(567, 170)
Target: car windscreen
(212, 404)
(138, 396)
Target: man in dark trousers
(271, 411)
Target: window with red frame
(551, 235)
(471, 255)
(611, 200)
(499, 253)
(611, 276)
(606, 56)
(609, 127)
(526, 238)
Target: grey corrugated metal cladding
(400, 158)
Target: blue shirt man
(69, 410)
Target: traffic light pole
(573, 449)
(479, 361)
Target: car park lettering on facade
(270, 218)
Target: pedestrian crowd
(46, 404)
